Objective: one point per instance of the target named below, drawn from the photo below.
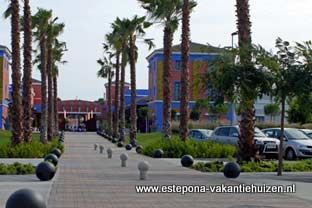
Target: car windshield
(206, 132)
(259, 133)
(295, 134)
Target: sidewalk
(88, 179)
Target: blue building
(199, 59)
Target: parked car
(296, 143)
(230, 134)
(308, 132)
(200, 134)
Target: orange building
(5, 57)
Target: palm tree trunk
(50, 94)
(17, 117)
(116, 110)
(168, 38)
(133, 109)
(56, 125)
(281, 148)
(247, 146)
(122, 108)
(185, 46)
(27, 77)
(43, 69)
(109, 102)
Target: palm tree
(58, 53)
(185, 47)
(247, 124)
(120, 29)
(106, 71)
(113, 41)
(17, 117)
(27, 77)
(41, 22)
(54, 30)
(135, 32)
(167, 12)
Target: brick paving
(87, 179)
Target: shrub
(35, 149)
(175, 148)
(263, 166)
(17, 169)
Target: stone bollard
(95, 147)
(128, 147)
(45, 171)
(52, 158)
(187, 161)
(109, 153)
(101, 149)
(159, 153)
(231, 170)
(56, 152)
(124, 157)
(143, 167)
(26, 198)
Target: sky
(213, 21)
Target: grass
(147, 139)
(175, 148)
(34, 149)
(5, 137)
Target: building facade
(79, 114)
(199, 59)
(5, 58)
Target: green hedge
(17, 169)
(263, 166)
(35, 149)
(175, 148)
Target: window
(223, 132)
(233, 132)
(177, 91)
(270, 133)
(178, 65)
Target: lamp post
(232, 35)
(233, 116)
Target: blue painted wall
(157, 107)
(1, 118)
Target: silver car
(230, 134)
(200, 134)
(296, 143)
(308, 132)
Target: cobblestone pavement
(88, 179)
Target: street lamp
(233, 116)
(233, 34)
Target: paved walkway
(88, 179)
(11, 183)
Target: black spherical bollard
(56, 152)
(128, 147)
(139, 149)
(133, 143)
(114, 141)
(51, 158)
(187, 161)
(26, 198)
(120, 144)
(231, 170)
(159, 153)
(45, 171)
